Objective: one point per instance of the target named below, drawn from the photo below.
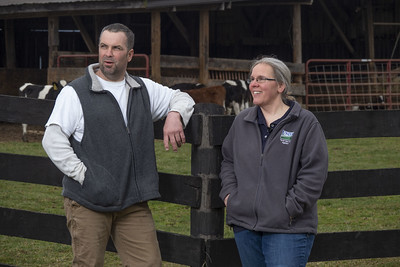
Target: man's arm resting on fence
(182, 103)
(59, 150)
(181, 109)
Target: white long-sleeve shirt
(68, 114)
(67, 119)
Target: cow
(187, 86)
(41, 92)
(212, 94)
(238, 96)
(376, 102)
(233, 95)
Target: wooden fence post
(204, 46)
(53, 40)
(155, 46)
(207, 222)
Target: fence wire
(335, 85)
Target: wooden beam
(341, 14)
(337, 27)
(356, 245)
(53, 40)
(85, 35)
(10, 44)
(175, 248)
(155, 46)
(89, 8)
(327, 247)
(360, 124)
(204, 35)
(395, 45)
(297, 47)
(178, 189)
(97, 25)
(386, 23)
(297, 42)
(250, 23)
(362, 183)
(190, 251)
(370, 31)
(179, 25)
(223, 64)
(16, 109)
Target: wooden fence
(206, 246)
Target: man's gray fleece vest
(120, 160)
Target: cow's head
(59, 85)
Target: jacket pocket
(240, 209)
(100, 187)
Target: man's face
(113, 55)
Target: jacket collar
(251, 116)
(96, 86)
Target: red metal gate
(363, 84)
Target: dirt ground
(13, 132)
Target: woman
(275, 162)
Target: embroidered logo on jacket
(286, 137)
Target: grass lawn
(335, 215)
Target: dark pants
(271, 249)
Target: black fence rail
(206, 246)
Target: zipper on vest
(128, 110)
(139, 193)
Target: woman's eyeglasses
(260, 79)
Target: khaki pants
(132, 231)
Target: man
(100, 135)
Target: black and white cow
(377, 102)
(187, 86)
(41, 92)
(373, 103)
(238, 96)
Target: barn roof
(44, 8)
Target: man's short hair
(118, 27)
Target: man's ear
(130, 54)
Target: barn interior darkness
(241, 32)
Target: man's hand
(173, 131)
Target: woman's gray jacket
(275, 190)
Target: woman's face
(263, 86)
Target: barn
(206, 41)
(210, 41)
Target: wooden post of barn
(204, 28)
(9, 34)
(85, 35)
(207, 222)
(370, 30)
(297, 47)
(155, 59)
(53, 40)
